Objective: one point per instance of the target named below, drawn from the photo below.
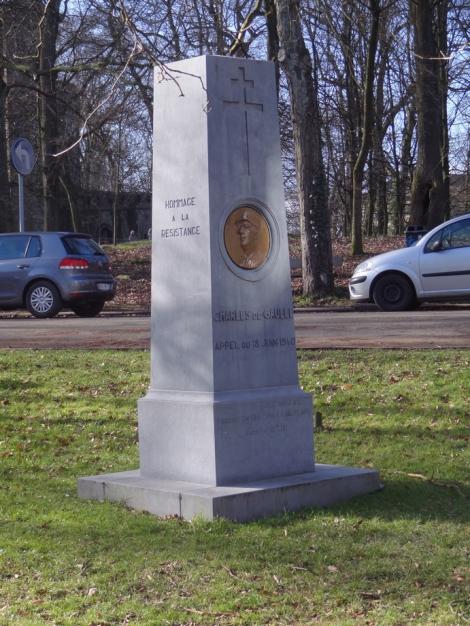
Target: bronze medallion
(247, 238)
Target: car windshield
(82, 245)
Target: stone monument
(225, 429)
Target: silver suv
(47, 271)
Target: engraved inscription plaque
(247, 238)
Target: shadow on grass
(456, 432)
(9, 386)
(80, 529)
(403, 498)
(397, 418)
(81, 420)
(414, 498)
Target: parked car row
(45, 272)
(436, 267)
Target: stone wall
(94, 212)
(132, 210)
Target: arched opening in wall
(106, 234)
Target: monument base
(326, 486)
(226, 438)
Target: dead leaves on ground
(132, 266)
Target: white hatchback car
(436, 267)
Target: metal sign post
(23, 160)
(21, 202)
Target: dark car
(47, 271)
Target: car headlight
(363, 267)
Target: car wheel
(393, 292)
(88, 309)
(43, 299)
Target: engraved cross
(244, 84)
(244, 87)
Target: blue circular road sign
(22, 155)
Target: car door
(445, 261)
(14, 268)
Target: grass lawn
(401, 556)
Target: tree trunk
(369, 226)
(429, 198)
(402, 169)
(4, 157)
(215, 11)
(317, 271)
(351, 113)
(467, 177)
(273, 38)
(6, 218)
(378, 153)
(381, 200)
(48, 116)
(175, 35)
(442, 10)
(368, 118)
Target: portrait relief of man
(247, 238)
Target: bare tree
(5, 212)
(89, 67)
(367, 126)
(48, 32)
(429, 197)
(313, 195)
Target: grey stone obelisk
(224, 404)
(225, 428)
